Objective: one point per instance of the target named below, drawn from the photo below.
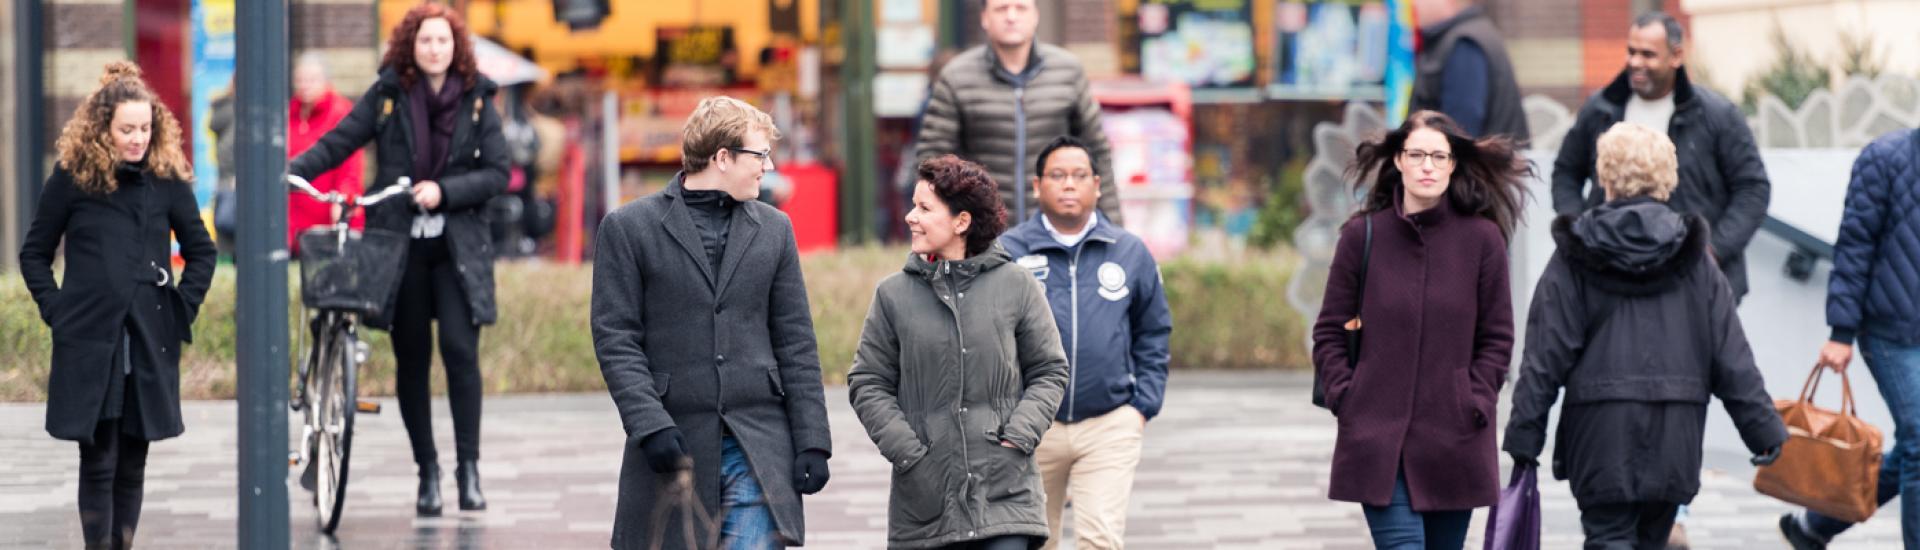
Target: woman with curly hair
(959, 372)
(431, 118)
(119, 315)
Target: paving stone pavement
(1237, 461)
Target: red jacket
(305, 126)
(1433, 355)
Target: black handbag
(1353, 325)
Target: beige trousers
(1091, 463)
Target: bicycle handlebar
(403, 185)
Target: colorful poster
(1204, 43)
(1399, 77)
(213, 49)
(1331, 47)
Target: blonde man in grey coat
(701, 325)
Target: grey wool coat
(681, 346)
(954, 357)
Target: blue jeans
(1397, 527)
(1897, 370)
(748, 524)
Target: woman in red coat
(1416, 436)
(314, 109)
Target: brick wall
(82, 37)
(1567, 49)
(346, 33)
(347, 36)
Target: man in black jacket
(701, 325)
(1721, 176)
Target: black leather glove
(1766, 457)
(1520, 461)
(810, 472)
(664, 450)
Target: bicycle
(344, 275)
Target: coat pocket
(1470, 414)
(183, 314)
(919, 495)
(773, 382)
(661, 382)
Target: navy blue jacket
(1875, 285)
(1113, 316)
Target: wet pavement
(1238, 460)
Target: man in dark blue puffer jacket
(1873, 298)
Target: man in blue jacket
(1873, 298)
(1105, 291)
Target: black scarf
(433, 116)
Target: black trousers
(430, 290)
(113, 474)
(1636, 526)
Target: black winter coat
(117, 250)
(1721, 176)
(1639, 348)
(476, 171)
(684, 346)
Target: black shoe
(429, 503)
(467, 477)
(1796, 537)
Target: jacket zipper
(952, 294)
(1073, 357)
(1020, 151)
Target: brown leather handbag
(1831, 462)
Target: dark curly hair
(1489, 175)
(966, 187)
(399, 56)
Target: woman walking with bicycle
(431, 117)
(119, 315)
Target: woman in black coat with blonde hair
(119, 315)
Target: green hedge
(1229, 314)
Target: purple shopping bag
(1514, 523)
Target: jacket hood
(1635, 246)
(992, 258)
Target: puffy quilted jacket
(1875, 286)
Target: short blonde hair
(718, 123)
(1636, 161)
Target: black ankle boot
(467, 477)
(429, 503)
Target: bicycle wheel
(334, 407)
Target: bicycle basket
(358, 277)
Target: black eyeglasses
(765, 156)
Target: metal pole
(862, 174)
(261, 256)
(30, 121)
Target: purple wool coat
(1437, 339)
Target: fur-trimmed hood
(1633, 246)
